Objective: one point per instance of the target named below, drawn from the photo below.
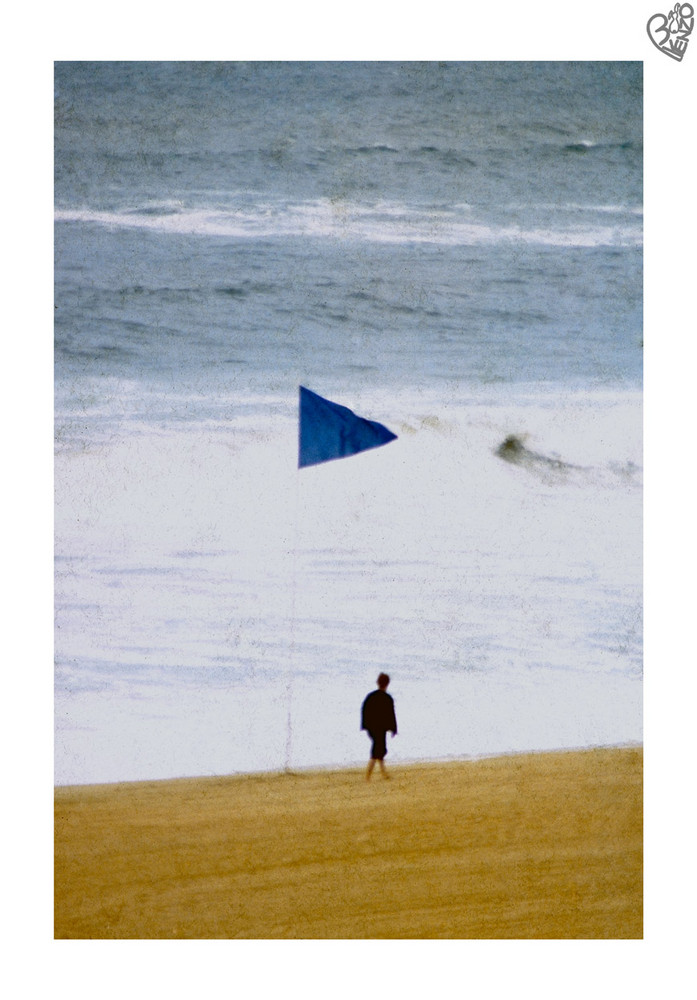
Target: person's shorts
(379, 747)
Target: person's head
(383, 681)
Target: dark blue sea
(452, 249)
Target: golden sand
(525, 846)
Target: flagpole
(291, 670)
(326, 431)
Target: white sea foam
(202, 575)
(382, 222)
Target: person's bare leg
(371, 765)
(383, 769)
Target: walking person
(378, 718)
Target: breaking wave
(382, 222)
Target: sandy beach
(545, 845)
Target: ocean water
(454, 250)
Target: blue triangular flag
(329, 431)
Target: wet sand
(542, 845)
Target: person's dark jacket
(377, 713)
